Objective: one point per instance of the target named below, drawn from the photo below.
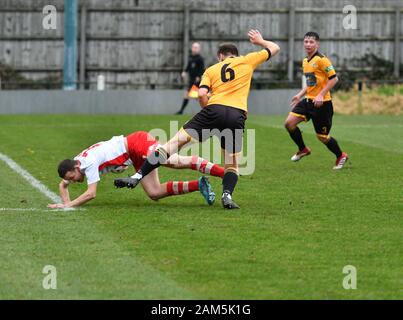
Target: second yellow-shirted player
(317, 105)
(223, 113)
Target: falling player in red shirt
(116, 155)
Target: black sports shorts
(227, 123)
(321, 117)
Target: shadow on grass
(152, 206)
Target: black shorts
(321, 117)
(227, 123)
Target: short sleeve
(327, 67)
(89, 167)
(205, 81)
(92, 174)
(256, 58)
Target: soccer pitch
(299, 223)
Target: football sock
(153, 161)
(229, 181)
(207, 167)
(296, 136)
(181, 187)
(184, 104)
(333, 146)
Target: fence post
(83, 40)
(186, 27)
(291, 31)
(70, 45)
(360, 87)
(396, 71)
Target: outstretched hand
(255, 36)
(318, 101)
(295, 100)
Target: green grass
(389, 90)
(299, 225)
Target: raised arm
(256, 38)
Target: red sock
(207, 167)
(181, 187)
(217, 171)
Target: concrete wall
(127, 102)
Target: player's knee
(154, 194)
(174, 163)
(289, 126)
(322, 138)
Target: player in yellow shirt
(317, 105)
(223, 113)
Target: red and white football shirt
(111, 155)
(104, 157)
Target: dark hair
(227, 49)
(65, 166)
(312, 34)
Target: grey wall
(126, 102)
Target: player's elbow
(274, 49)
(203, 100)
(91, 195)
(63, 184)
(202, 93)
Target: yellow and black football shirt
(229, 80)
(318, 70)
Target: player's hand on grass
(56, 206)
(318, 101)
(255, 36)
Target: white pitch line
(21, 209)
(30, 179)
(37, 209)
